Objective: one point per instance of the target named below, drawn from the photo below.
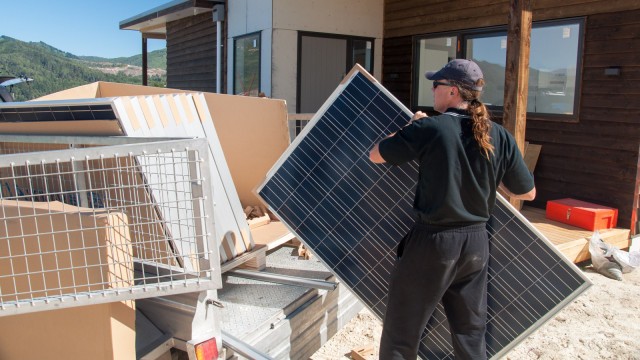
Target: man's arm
(526, 196)
(374, 153)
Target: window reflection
(247, 65)
(432, 54)
(553, 65)
(362, 53)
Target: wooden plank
(612, 46)
(596, 128)
(254, 259)
(431, 11)
(272, 235)
(597, 74)
(572, 241)
(585, 8)
(630, 16)
(614, 32)
(396, 75)
(607, 157)
(422, 17)
(531, 155)
(496, 16)
(259, 221)
(604, 60)
(191, 53)
(591, 188)
(594, 170)
(366, 352)
(391, 6)
(605, 142)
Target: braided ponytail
(481, 121)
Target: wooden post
(635, 211)
(516, 80)
(145, 75)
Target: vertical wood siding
(595, 159)
(191, 53)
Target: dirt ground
(602, 323)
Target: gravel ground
(602, 323)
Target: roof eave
(154, 22)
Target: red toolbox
(582, 214)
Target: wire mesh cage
(87, 220)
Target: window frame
(258, 35)
(348, 38)
(462, 36)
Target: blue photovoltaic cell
(352, 213)
(53, 113)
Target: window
(246, 65)
(324, 60)
(432, 54)
(362, 53)
(554, 65)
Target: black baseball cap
(463, 71)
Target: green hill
(156, 59)
(53, 70)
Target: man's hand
(374, 153)
(418, 115)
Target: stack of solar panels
(352, 213)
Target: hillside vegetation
(53, 70)
(155, 59)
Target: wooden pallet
(573, 241)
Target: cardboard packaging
(52, 249)
(251, 132)
(97, 332)
(582, 214)
(56, 249)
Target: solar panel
(57, 112)
(352, 213)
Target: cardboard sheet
(97, 332)
(56, 249)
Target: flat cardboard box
(50, 249)
(53, 249)
(96, 332)
(253, 132)
(117, 182)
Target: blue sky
(81, 27)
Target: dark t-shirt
(457, 184)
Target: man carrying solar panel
(463, 158)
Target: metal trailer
(164, 192)
(93, 220)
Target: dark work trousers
(436, 264)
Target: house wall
(247, 17)
(363, 18)
(594, 159)
(279, 22)
(191, 53)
